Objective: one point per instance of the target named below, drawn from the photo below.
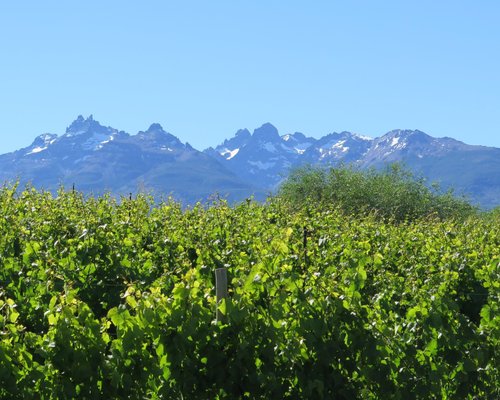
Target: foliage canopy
(394, 193)
(112, 300)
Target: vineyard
(111, 299)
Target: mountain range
(98, 159)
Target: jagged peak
(44, 139)
(242, 133)
(240, 138)
(82, 125)
(156, 131)
(266, 131)
(337, 136)
(155, 135)
(41, 143)
(404, 135)
(268, 125)
(154, 127)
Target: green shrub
(101, 299)
(395, 193)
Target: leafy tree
(395, 193)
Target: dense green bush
(115, 300)
(495, 213)
(395, 193)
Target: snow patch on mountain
(37, 150)
(333, 149)
(398, 143)
(340, 145)
(97, 141)
(228, 154)
(300, 148)
(363, 137)
(42, 143)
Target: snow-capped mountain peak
(87, 134)
(45, 140)
(41, 143)
(99, 158)
(399, 139)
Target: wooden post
(220, 290)
(306, 234)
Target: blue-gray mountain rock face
(266, 158)
(98, 159)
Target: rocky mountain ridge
(473, 171)
(100, 159)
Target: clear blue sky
(204, 69)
